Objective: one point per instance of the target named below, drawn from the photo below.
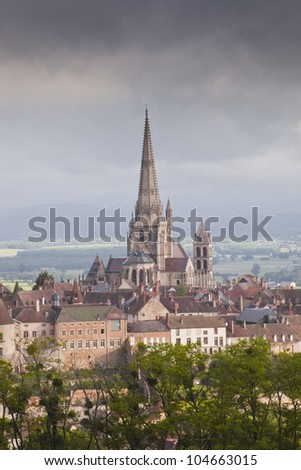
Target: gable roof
(268, 331)
(105, 297)
(147, 326)
(138, 257)
(5, 318)
(186, 304)
(115, 265)
(257, 315)
(194, 321)
(90, 313)
(178, 251)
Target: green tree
(256, 269)
(173, 375)
(17, 287)
(287, 399)
(240, 386)
(42, 277)
(181, 290)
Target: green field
(23, 262)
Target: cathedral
(153, 256)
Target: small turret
(55, 301)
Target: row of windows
(115, 325)
(34, 334)
(150, 341)
(88, 344)
(80, 332)
(217, 341)
(204, 332)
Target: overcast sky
(221, 79)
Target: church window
(205, 252)
(141, 276)
(205, 264)
(134, 276)
(198, 252)
(198, 265)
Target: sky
(221, 80)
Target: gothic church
(152, 254)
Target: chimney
(37, 305)
(245, 325)
(182, 319)
(176, 308)
(264, 325)
(171, 296)
(167, 319)
(232, 326)
(241, 303)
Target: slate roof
(147, 326)
(175, 265)
(90, 313)
(115, 265)
(257, 315)
(138, 257)
(97, 269)
(195, 321)
(186, 304)
(104, 297)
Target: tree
(240, 387)
(42, 277)
(172, 375)
(256, 269)
(181, 290)
(17, 287)
(287, 399)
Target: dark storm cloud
(221, 78)
(270, 28)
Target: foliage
(256, 269)
(243, 397)
(181, 290)
(42, 277)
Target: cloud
(221, 80)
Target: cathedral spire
(148, 203)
